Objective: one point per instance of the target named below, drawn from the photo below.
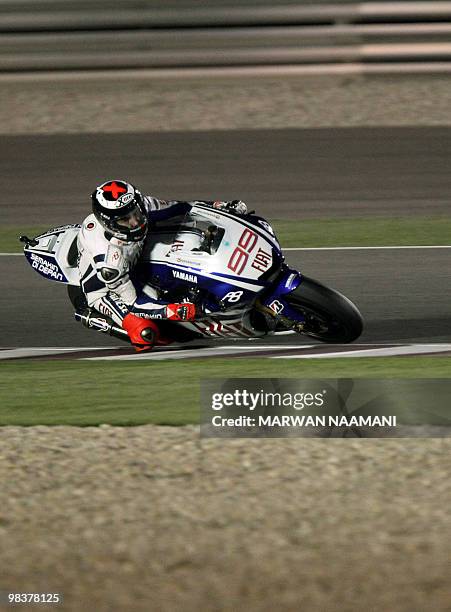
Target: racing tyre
(329, 315)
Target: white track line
(413, 349)
(340, 248)
(193, 353)
(45, 351)
(183, 353)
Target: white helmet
(119, 208)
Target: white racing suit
(105, 265)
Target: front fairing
(275, 297)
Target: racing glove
(181, 312)
(143, 333)
(234, 206)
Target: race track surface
(281, 173)
(403, 295)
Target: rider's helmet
(119, 208)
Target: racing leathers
(106, 269)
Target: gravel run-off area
(154, 518)
(127, 104)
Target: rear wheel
(329, 315)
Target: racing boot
(185, 311)
(177, 312)
(143, 333)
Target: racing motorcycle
(232, 267)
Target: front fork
(274, 304)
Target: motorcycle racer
(110, 243)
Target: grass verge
(9, 236)
(319, 232)
(64, 392)
(418, 231)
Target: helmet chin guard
(119, 208)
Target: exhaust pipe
(93, 320)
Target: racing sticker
(267, 227)
(191, 278)
(240, 255)
(47, 268)
(177, 245)
(99, 324)
(126, 198)
(276, 306)
(233, 296)
(290, 281)
(113, 190)
(262, 260)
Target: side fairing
(234, 270)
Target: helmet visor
(132, 221)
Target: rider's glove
(181, 312)
(235, 206)
(143, 333)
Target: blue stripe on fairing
(242, 279)
(99, 258)
(167, 263)
(200, 273)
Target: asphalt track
(291, 173)
(404, 296)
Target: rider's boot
(143, 333)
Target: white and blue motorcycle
(231, 266)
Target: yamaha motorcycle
(231, 266)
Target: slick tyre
(329, 315)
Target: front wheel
(329, 315)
